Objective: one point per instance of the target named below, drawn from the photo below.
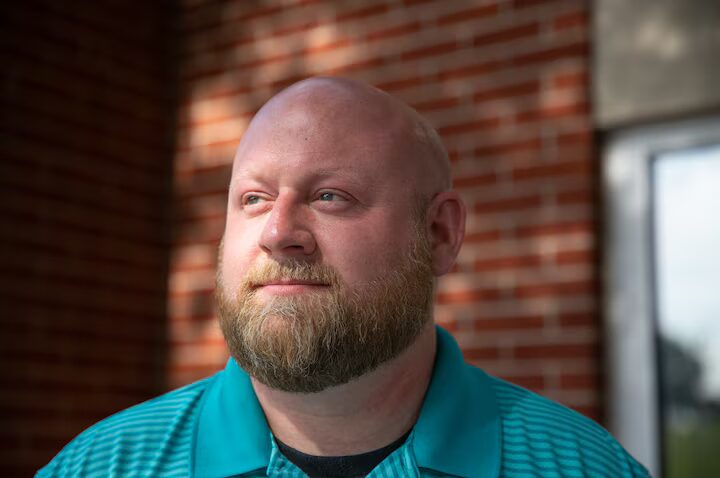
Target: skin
(331, 170)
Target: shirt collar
(232, 435)
(457, 431)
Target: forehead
(327, 142)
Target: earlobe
(446, 217)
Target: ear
(446, 221)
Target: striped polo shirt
(470, 425)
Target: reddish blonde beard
(307, 343)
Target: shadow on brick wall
(117, 145)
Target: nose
(286, 232)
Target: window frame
(631, 329)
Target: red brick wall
(506, 84)
(85, 182)
(84, 189)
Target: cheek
(238, 253)
(361, 253)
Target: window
(663, 295)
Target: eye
(254, 202)
(328, 196)
(251, 199)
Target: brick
(574, 138)
(581, 196)
(554, 289)
(363, 12)
(294, 28)
(470, 126)
(574, 257)
(475, 181)
(468, 296)
(29, 127)
(204, 231)
(519, 4)
(100, 299)
(554, 229)
(510, 34)
(210, 355)
(51, 105)
(520, 89)
(28, 262)
(570, 79)
(198, 307)
(481, 353)
(515, 146)
(570, 20)
(484, 236)
(576, 319)
(469, 14)
(256, 13)
(80, 377)
(436, 103)
(429, 51)
(482, 68)
(108, 353)
(186, 282)
(355, 66)
(417, 2)
(76, 188)
(593, 412)
(30, 207)
(531, 382)
(208, 232)
(562, 351)
(552, 170)
(42, 238)
(580, 109)
(512, 262)
(398, 30)
(508, 204)
(582, 381)
(40, 157)
(508, 323)
(333, 45)
(393, 85)
(573, 50)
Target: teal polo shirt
(470, 425)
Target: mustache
(293, 270)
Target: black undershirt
(339, 466)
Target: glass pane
(687, 259)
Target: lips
(290, 282)
(289, 287)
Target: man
(340, 215)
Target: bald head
(326, 109)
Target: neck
(378, 407)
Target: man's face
(325, 264)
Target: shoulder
(153, 438)
(541, 435)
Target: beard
(308, 342)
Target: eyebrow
(341, 173)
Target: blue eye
(251, 199)
(329, 197)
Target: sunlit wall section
(504, 82)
